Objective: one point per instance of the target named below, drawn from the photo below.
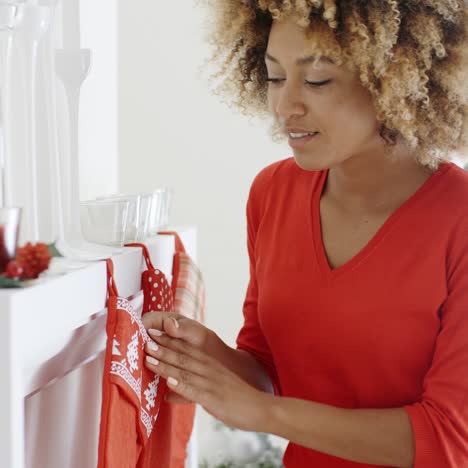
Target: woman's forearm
(240, 362)
(373, 436)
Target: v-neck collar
(320, 254)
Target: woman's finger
(171, 325)
(180, 346)
(155, 319)
(176, 359)
(186, 384)
(179, 326)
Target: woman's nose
(289, 102)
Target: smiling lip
(299, 143)
(299, 130)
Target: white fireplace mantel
(52, 341)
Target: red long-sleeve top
(387, 329)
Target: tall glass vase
(11, 14)
(72, 65)
(37, 18)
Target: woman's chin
(308, 162)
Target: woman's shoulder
(269, 171)
(457, 175)
(280, 171)
(454, 186)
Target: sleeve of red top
(440, 419)
(251, 337)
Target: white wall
(99, 100)
(174, 133)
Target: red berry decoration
(34, 259)
(14, 270)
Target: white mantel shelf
(49, 330)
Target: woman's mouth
(299, 140)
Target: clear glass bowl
(105, 221)
(133, 218)
(144, 216)
(147, 212)
(164, 196)
(154, 220)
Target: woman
(355, 341)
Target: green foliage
(10, 283)
(53, 250)
(269, 456)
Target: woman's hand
(196, 376)
(191, 331)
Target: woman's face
(325, 98)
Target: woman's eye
(274, 80)
(314, 84)
(317, 84)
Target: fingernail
(153, 346)
(176, 323)
(151, 360)
(153, 331)
(172, 381)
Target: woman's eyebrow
(301, 60)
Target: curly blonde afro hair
(410, 54)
